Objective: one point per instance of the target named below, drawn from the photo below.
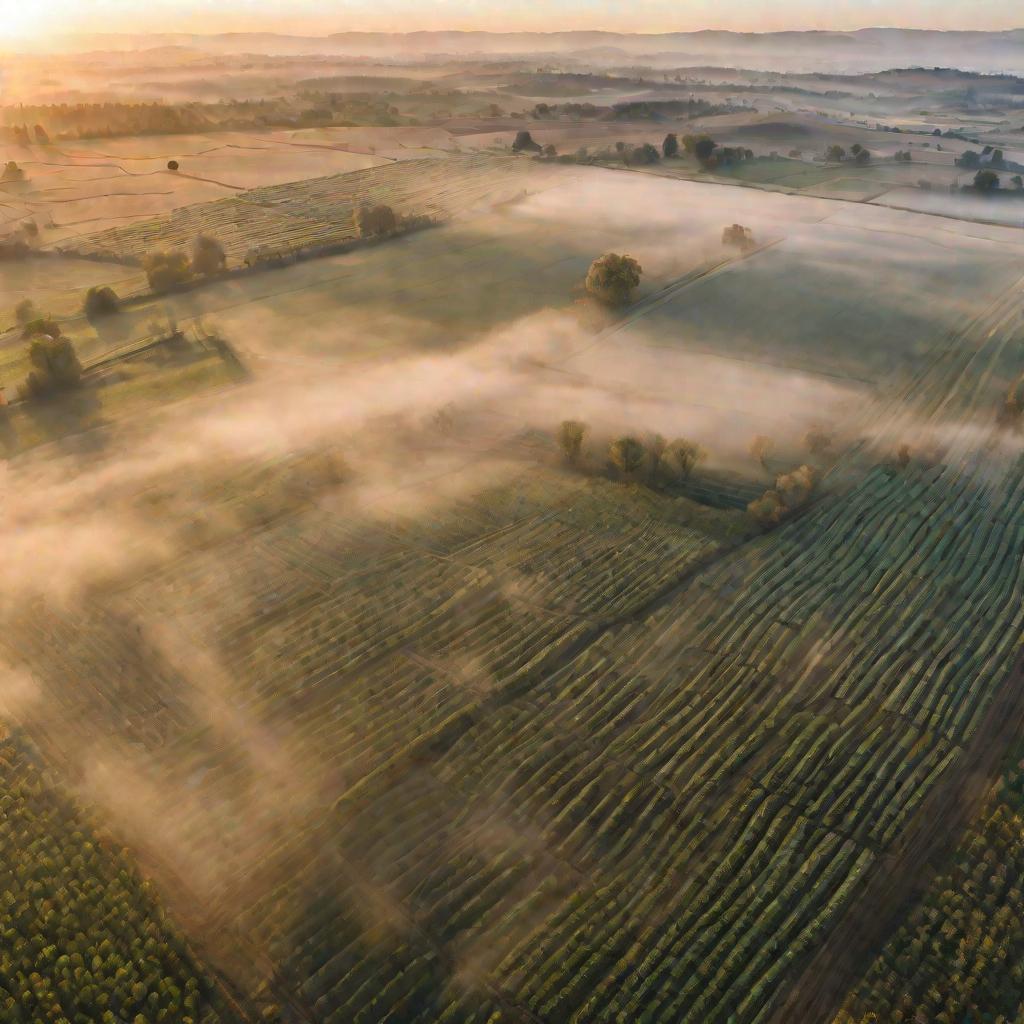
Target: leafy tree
(686, 454)
(703, 148)
(40, 325)
(657, 446)
(644, 155)
(55, 365)
(670, 146)
(738, 235)
(986, 181)
(835, 154)
(856, 148)
(768, 510)
(166, 269)
(172, 165)
(797, 486)
(968, 159)
(550, 151)
(208, 256)
(627, 455)
(12, 172)
(1018, 181)
(25, 312)
(523, 143)
(862, 157)
(101, 301)
(570, 438)
(612, 278)
(372, 221)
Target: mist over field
(511, 526)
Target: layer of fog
(74, 520)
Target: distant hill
(875, 47)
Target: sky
(40, 18)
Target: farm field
(957, 950)
(57, 284)
(419, 630)
(79, 187)
(134, 383)
(99, 939)
(693, 824)
(319, 211)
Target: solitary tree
(166, 269)
(523, 143)
(172, 165)
(12, 172)
(570, 438)
(101, 301)
(739, 236)
(670, 146)
(612, 278)
(627, 454)
(835, 154)
(208, 256)
(862, 157)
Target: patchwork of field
(548, 751)
(57, 284)
(72, 188)
(527, 744)
(319, 211)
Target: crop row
(957, 955)
(315, 212)
(84, 939)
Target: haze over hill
(863, 49)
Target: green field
(411, 721)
